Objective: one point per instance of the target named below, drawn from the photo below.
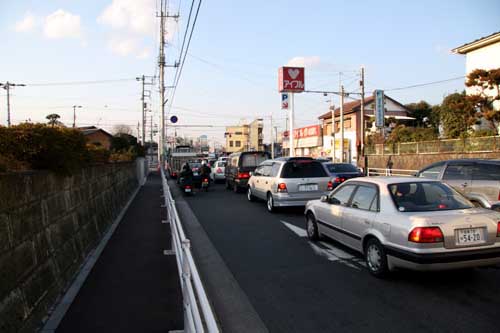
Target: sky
(230, 73)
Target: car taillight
(243, 175)
(339, 180)
(187, 186)
(174, 174)
(498, 195)
(219, 170)
(330, 186)
(282, 187)
(498, 229)
(205, 179)
(426, 235)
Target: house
(482, 53)
(245, 137)
(97, 136)
(352, 126)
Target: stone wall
(418, 161)
(48, 225)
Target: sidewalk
(133, 287)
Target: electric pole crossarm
(7, 85)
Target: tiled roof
(470, 46)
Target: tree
(486, 85)
(53, 119)
(457, 114)
(122, 129)
(421, 111)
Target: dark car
(239, 165)
(477, 179)
(340, 172)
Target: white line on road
(327, 250)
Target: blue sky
(235, 52)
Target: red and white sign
(291, 79)
(309, 136)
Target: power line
(426, 84)
(76, 83)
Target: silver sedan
(406, 222)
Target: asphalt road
(297, 286)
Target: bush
(39, 146)
(98, 154)
(401, 133)
(123, 156)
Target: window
(238, 143)
(259, 171)
(238, 133)
(426, 196)
(231, 144)
(253, 159)
(342, 195)
(486, 171)
(458, 172)
(275, 169)
(266, 170)
(303, 169)
(341, 167)
(433, 172)
(221, 164)
(364, 197)
(347, 123)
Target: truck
(178, 157)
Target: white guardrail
(391, 172)
(198, 315)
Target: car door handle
(367, 222)
(464, 184)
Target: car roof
(386, 180)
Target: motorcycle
(186, 185)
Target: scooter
(205, 183)
(186, 185)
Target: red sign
(307, 132)
(291, 79)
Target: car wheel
(376, 259)
(250, 196)
(312, 228)
(270, 203)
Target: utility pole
(276, 137)
(290, 132)
(7, 86)
(74, 114)
(332, 109)
(272, 139)
(143, 102)
(342, 123)
(362, 125)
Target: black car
(340, 172)
(239, 165)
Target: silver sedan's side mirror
(324, 198)
(251, 173)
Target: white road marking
(327, 250)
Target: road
(297, 286)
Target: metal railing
(198, 314)
(391, 172)
(467, 145)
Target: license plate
(195, 173)
(204, 183)
(469, 236)
(187, 190)
(308, 187)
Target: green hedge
(39, 146)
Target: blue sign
(379, 108)
(284, 101)
(174, 119)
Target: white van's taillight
(282, 188)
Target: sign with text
(309, 136)
(291, 79)
(379, 108)
(284, 101)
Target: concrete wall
(418, 161)
(48, 225)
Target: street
(297, 286)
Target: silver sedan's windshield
(426, 196)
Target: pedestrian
(389, 166)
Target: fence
(467, 145)
(195, 300)
(391, 172)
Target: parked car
(406, 222)
(238, 168)
(478, 180)
(218, 171)
(340, 172)
(288, 181)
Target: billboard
(379, 108)
(309, 136)
(291, 79)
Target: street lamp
(74, 114)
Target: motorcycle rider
(186, 174)
(205, 171)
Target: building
(483, 53)
(97, 136)
(352, 126)
(246, 137)
(308, 141)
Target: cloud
(62, 24)
(310, 62)
(131, 15)
(144, 54)
(123, 47)
(27, 24)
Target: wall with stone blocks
(48, 225)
